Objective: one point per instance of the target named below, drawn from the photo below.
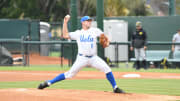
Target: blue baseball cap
(85, 18)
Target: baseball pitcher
(86, 39)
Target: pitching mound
(22, 94)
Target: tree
(55, 10)
(125, 8)
(49, 10)
(114, 8)
(159, 6)
(178, 7)
(136, 7)
(86, 7)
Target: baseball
(68, 16)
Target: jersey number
(91, 45)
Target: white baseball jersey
(176, 37)
(86, 40)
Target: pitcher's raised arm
(65, 27)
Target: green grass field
(146, 86)
(65, 68)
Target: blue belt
(88, 56)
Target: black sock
(138, 64)
(144, 64)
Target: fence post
(116, 54)
(23, 51)
(172, 8)
(73, 15)
(100, 23)
(62, 51)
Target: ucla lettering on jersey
(86, 39)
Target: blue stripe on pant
(111, 79)
(57, 78)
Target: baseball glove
(103, 40)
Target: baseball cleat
(43, 85)
(118, 90)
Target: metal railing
(25, 46)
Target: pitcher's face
(86, 24)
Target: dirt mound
(22, 94)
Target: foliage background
(54, 10)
